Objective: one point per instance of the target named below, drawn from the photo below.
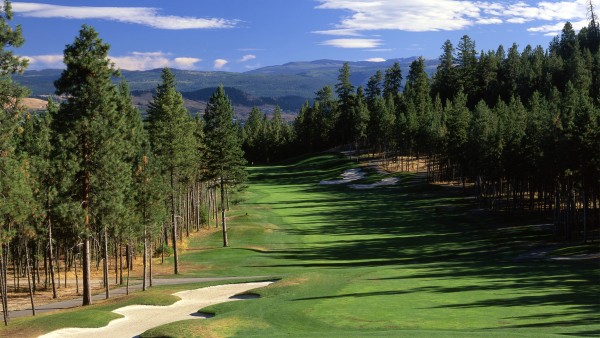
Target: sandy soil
(140, 318)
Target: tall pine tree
(223, 153)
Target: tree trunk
(145, 253)
(223, 222)
(128, 270)
(174, 226)
(3, 285)
(116, 263)
(51, 256)
(76, 277)
(107, 292)
(29, 279)
(150, 270)
(121, 262)
(87, 288)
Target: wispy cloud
(153, 60)
(353, 43)
(247, 58)
(449, 15)
(147, 16)
(132, 61)
(555, 29)
(220, 63)
(376, 60)
(54, 61)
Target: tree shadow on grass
(430, 229)
(356, 295)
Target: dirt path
(140, 318)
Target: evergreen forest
(89, 184)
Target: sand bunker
(140, 318)
(383, 182)
(348, 176)
(355, 174)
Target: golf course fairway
(411, 259)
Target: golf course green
(411, 259)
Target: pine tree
(392, 81)
(444, 81)
(172, 141)
(82, 127)
(359, 119)
(223, 154)
(345, 92)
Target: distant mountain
(288, 85)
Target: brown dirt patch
(30, 103)
(289, 282)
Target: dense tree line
(521, 126)
(89, 184)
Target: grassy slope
(406, 260)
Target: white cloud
(220, 63)
(489, 21)
(248, 57)
(447, 15)
(186, 62)
(153, 60)
(376, 60)
(339, 32)
(147, 16)
(52, 61)
(353, 43)
(132, 61)
(556, 29)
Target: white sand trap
(348, 176)
(140, 318)
(383, 182)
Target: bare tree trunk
(116, 263)
(51, 256)
(223, 222)
(150, 270)
(29, 279)
(145, 253)
(174, 227)
(128, 270)
(121, 262)
(107, 292)
(3, 288)
(76, 276)
(87, 288)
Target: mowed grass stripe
(405, 260)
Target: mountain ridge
(288, 85)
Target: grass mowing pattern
(393, 261)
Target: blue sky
(240, 35)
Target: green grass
(578, 249)
(406, 260)
(410, 260)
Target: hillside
(287, 85)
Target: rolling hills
(287, 86)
